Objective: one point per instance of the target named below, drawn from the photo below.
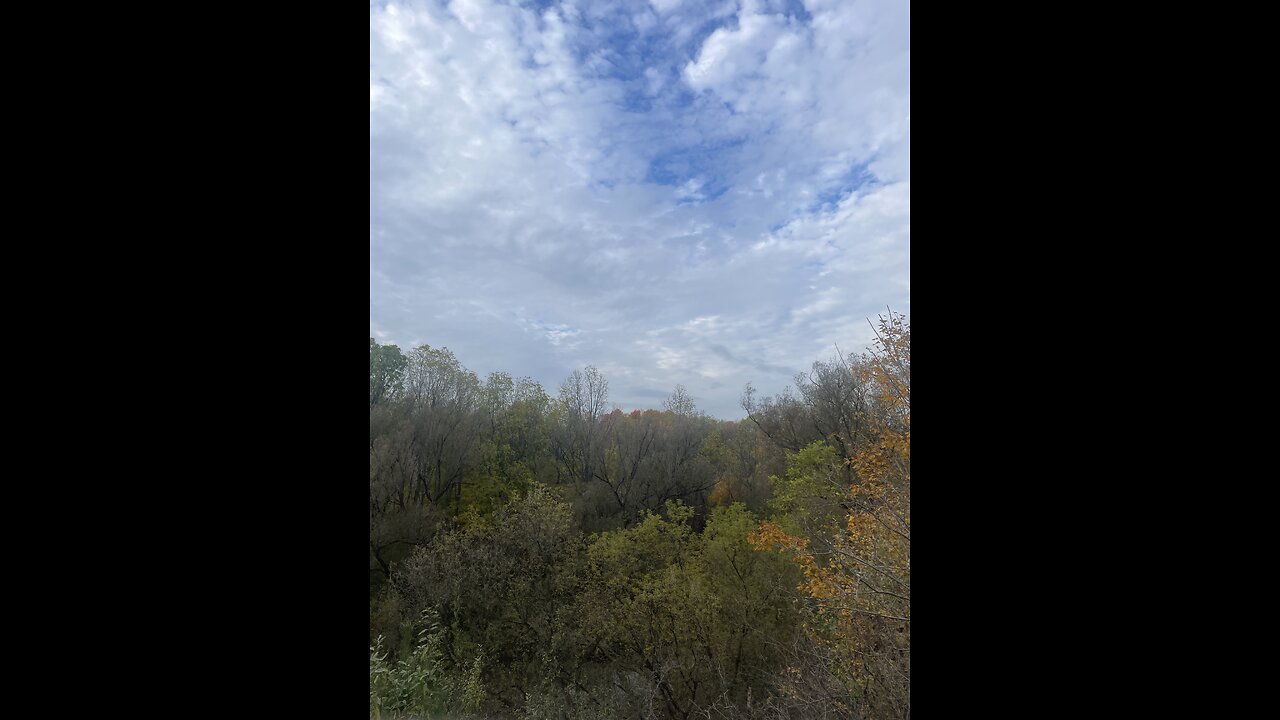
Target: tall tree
(583, 396)
(386, 370)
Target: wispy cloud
(676, 192)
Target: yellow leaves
(855, 557)
(818, 583)
(887, 460)
(822, 584)
(860, 570)
(857, 572)
(768, 536)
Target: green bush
(414, 685)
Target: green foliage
(808, 496)
(418, 684)
(386, 371)
(543, 558)
(692, 614)
(503, 581)
(473, 692)
(654, 543)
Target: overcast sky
(700, 193)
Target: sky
(678, 192)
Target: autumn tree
(858, 572)
(535, 557)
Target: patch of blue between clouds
(683, 98)
(637, 101)
(797, 10)
(707, 161)
(538, 5)
(630, 51)
(857, 178)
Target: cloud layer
(688, 192)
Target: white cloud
(516, 214)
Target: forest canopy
(540, 554)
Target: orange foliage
(864, 568)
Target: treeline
(550, 557)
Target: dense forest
(548, 556)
